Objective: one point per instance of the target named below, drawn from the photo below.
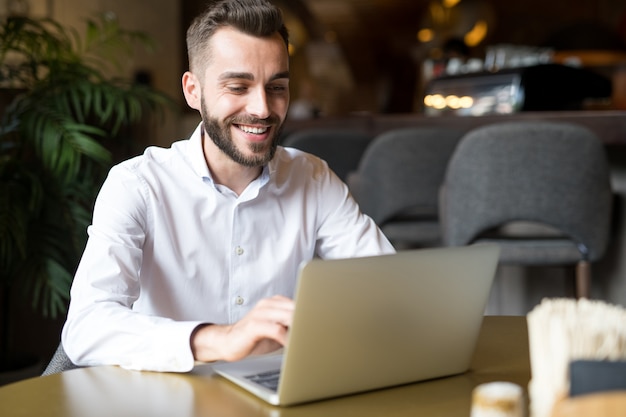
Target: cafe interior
(411, 81)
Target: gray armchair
(340, 148)
(541, 190)
(398, 179)
(59, 362)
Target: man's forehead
(229, 36)
(236, 55)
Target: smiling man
(194, 250)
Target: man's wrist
(203, 346)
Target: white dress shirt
(169, 249)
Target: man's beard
(220, 135)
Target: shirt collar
(196, 154)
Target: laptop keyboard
(268, 379)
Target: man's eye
(237, 88)
(276, 88)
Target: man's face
(245, 95)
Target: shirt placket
(237, 296)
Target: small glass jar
(497, 399)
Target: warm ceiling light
(477, 34)
(450, 3)
(425, 35)
(437, 13)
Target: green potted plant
(59, 114)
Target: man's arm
(102, 328)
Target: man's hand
(262, 330)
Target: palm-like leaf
(52, 146)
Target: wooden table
(605, 404)
(501, 355)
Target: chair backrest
(550, 173)
(340, 148)
(60, 362)
(401, 171)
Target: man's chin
(254, 156)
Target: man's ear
(192, 90)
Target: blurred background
(369, 56)
(353, 58)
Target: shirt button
(239, 250)
(239, 300)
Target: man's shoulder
(157, 157)
(160, 153)
(294, 163)
(286, 155)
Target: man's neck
(225, 171)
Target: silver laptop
(367, 323)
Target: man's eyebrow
(248, 76)
(236, 75)
(280, 75)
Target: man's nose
(258, 105)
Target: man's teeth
(254, 130)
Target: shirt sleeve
(344, 231)
(101, 327)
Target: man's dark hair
(254, 17)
